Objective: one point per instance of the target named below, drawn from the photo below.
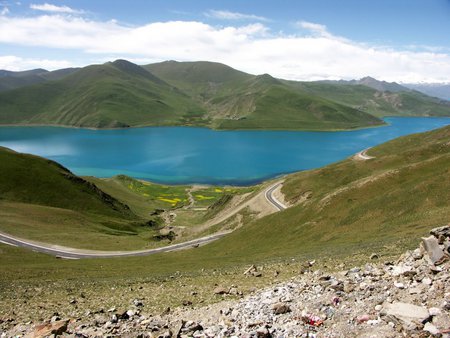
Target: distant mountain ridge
(440, 90)
(122, 94)
(11, 80)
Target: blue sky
(394, 40)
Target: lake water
(178, 155)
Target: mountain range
(122, 94)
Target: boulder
(406, 313)
(220, 290)
(55, 328)
(441, 231)
(280, 308)
(431, 245)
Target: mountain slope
(12, 80)
(122, 94)
(378, 103)
(236, 100)
(42, 201)
(117, 94)
(34, 180)
(381, 86)
(382, 204)
(440, 90)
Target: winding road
(272, 199)
(362, 155)
(72, 253)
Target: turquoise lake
(179, 155)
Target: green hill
(31, 179)
(236, 100)
(41, 200)
(117, 94)
(121, 94)
(382, 204)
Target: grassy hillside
(121, 94)
(117, 94)
(35, 180)
(361, 205)
(236, 100)
(41, 200)
(378, 103)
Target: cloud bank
(313, 53)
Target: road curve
(272, 199)
(362, 155)
(71, 253)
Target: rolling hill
(121, 94)
(116, 94)
(31, 179)
(41, 200)
(355, 205)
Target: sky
(307, 40)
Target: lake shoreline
(37, 125)
(197, 155)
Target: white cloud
(54, 9)
(314, 28)
(227, 15)
(4, 11)
(15, 63)
(251, 48)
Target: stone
(221, 290)
(441, 231)
(374, 256)
(362, 318)
(250, 270)
(427, 281)
(415, 291)
(406, 312)
(431, 328)
(399, 270)
(263, 333)
(417, 254)
(138, 303)
(55, 328)
(431, 245)
(281, 308)
(191, 327)
(434, 311)
(399, 285)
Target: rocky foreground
(406, 298)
